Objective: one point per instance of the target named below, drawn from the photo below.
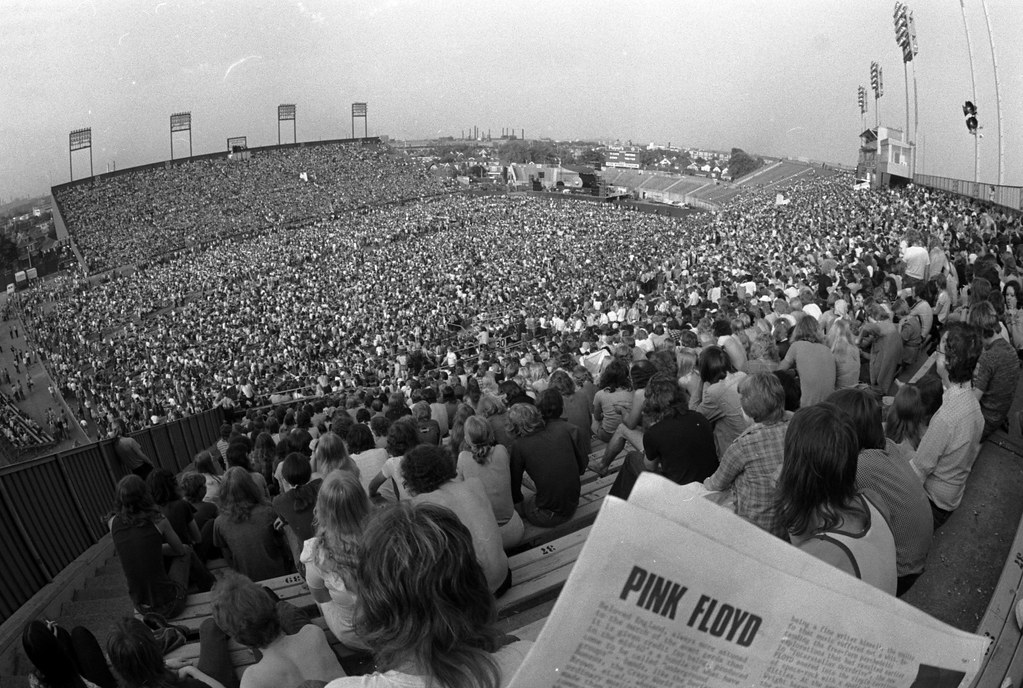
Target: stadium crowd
(132, 217)
(467, 350)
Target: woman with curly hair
(155, 561)
(613, 400)
(490, 463)
(432, 479)
(331, 556)
(244, 530)
(495, 411)
(425, 607)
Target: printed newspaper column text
(621, 648)
(815, 656)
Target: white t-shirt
(508, 659)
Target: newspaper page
(702, 598)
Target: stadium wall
(1010, 197)
(52, 508)
(365, 141)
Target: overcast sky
(774, 77)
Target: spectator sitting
(244, 529)
(294, 505)
(750, 466)
(431, 478)
(818, 504)
(292, 650)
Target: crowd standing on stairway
(450, 343)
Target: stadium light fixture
(181, 121)
(79, 139)
(284, 114)
(359, 110)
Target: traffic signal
(970, 113)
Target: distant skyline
(772, 77)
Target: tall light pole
(973, 81)
(905, 36)
(998, 95)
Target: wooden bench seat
(290, 588)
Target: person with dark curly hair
(291, 649)
(432, 478)
(137, 659)
(613, 400)
(425, 606)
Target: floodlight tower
(905, 36)
(998, 94)
(876, 83)
(861, 98)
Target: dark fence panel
(163, 455)
(183, 444)
(49, 513)
(89, 472)
(21, 574)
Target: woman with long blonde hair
(847, 355)
(331, 557)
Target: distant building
(885, 159)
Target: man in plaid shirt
(752, 463)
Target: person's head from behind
(331, 454)
(615, 376)
(906, 416)
(421, 411)
(715, 365)
(864, 412)
(204, 463)
(237, 454)
(47, 654)
(806, 330)
(135, 656)
(561, 381)
(401, 437)
(193, 487)
(550, 404)
(983, 317)
(360, 438)
(239, 494)
(479, 438)
(162, 486)
(663, 396)
(490, 405)
(525, 419)
(423, 597)
(132, 497)
(341, 507)
(244, 611)
(426, 468)
(762, 397)
(296, 469)
(818, 477)
(958, 352)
